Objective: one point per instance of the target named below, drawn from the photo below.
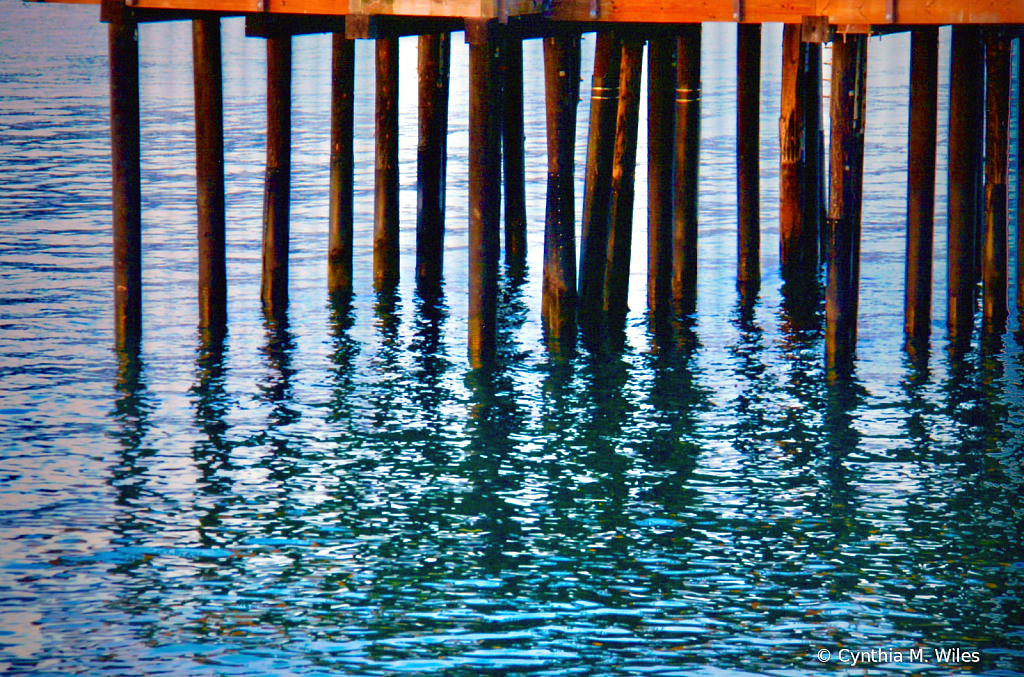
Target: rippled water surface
(340, 494)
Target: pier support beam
(513, 151)
(620, 227)
(997, 127)
(849, 71)
(964, 148)
(339, 241)
(686, 170)
(385, 195)
(125, 169)
(432, 156)
(748, 165)
(209, 113)
(661, 73)
(924, 72)
(484, 201)
(277, 186)
(561, 85)
(597, 200)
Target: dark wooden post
(513, 151)
(748, 150)
(924, 71)
(339, 245)
(484, 201)
(849, 68)
(813, 161)
(965, 69)
(385, 200)
(209, 111)
(660, 146)
(597, 200)
(686, 170)
(125, 170)
(994, 246)
(620, 233)
(561, 85)
(432, 155)
(276, 194)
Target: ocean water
(341, 494)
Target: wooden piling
(813, 162)
(561, 85)
(748, 164)
(513, 152)
(339, 241)
(484, 197)
(798, 236)
(620, 229)
(686, 169)
(660, 154)
(597, 200)
(432, 155)
(965, 68)
(209, 112)
(994, 245)
(276, 194)
(125, 170)
(385, 200)
(924, 71)
(849, 70)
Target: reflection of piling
(597, 200)
(209, 111)
(276, 195)
(513, 152)
(994, 245)
(686, 169)
(339, 241)
(385, 201)
(924, 70)
(620, 222)
(965, 68)
(849, 68)
(660, 144)
(484, 197)
(432, 154)
(127, 198)
(561, 84)
(748, 150)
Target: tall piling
(561, 86)
(994, 243)
(661, 74)
(209, 113)
(965, 69)
(385, 187)
(620, 224)
(597, 198)
(748, 164)
(125, 169)
(686, 170)
(432, 155)
(484, 201)
(277, 182)
(924, 72)
(339, 240)
(814, 198)
(513, 153)
(849, 70)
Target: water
(343, 495)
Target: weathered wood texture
(924, 77)
(994, 242)
(432, 155)
(277, 182)
(748, 150)
(339, 240)
(561, 86)
(385, 195)
(661, 75)
(125, 170)
(686, 170)
(513, 153)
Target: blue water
(340, 494)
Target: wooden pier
(817, 227)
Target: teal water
(341, 494)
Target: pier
(820, 191)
